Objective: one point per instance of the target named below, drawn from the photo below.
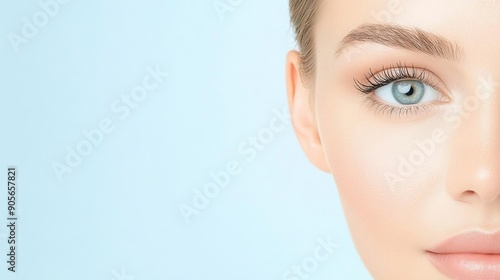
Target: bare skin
(450, 139)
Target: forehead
(471, 24)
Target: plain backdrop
(115, 213)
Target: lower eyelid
(374, 103)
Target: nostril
(469, 193)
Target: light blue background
(117, 213)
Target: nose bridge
(474, 170)
(487, 115)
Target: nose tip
(487, 185)
(474, 172)
(481, 186)
(475, 179)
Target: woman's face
(406, 117)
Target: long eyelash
(391, 74)
(387, 76)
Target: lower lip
(467, 266)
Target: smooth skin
(456, 186)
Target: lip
(469, 255)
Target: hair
(303, 15)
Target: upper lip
(470, 242)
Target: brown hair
(303, 17)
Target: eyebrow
(413, 39)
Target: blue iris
(408, 92)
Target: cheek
(364, 160)
(384, 178)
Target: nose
(475, 180)
(474, 170)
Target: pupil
(410, 92)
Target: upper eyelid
(400, 69)
(423, 74)
(405, 69)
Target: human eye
(401, 90)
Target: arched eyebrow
(413, 39)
